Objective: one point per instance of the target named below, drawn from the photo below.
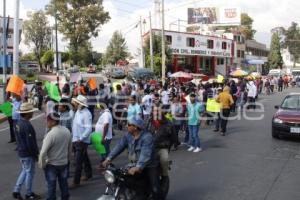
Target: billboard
(213, 15)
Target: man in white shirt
(104, 127)
(165, 96)
(82, 129)
(147, 106)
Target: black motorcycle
(123, 186)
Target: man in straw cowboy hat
(27, 150)
(81, 129)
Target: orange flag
(93, 83)
(15, 85)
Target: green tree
(116, 49)
(28, 57)
(38, 33)
(48, 58)
(157, 54)
(85, 54)
(246, 26)
(275, 58)
(78, 21)
(292, 41)
(65, 57)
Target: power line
(130, 4)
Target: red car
(286, 121)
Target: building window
(238, 53)
(224, 45)
(169, 39)
(220, 61)
(242, 54)
(190, 42)
(210, 44)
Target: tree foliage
(85, 54)
(38, 33)
(78, 21)
(47, 58)
(117, 49)
(157, 53)
(292, 41)
(275, 59)
(246, 26)
(28, 57)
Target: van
(275, 72)
(295, 72)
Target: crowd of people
(154, 113)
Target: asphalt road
(247, 164)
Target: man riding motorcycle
(164, 137)
(140, 152)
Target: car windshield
(291, 102)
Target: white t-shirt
(165, 97)
(147, 104)
(105, 118)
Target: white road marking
(34, 118)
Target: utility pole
(4, 47)
(16, 39)
(56, 48)
(142, 50)
(151, 44)
(163, 48)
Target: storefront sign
(221, 47)
(200, 52)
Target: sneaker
(32, 196)
(198, 149)
(191, 149)
(216, 130)
(17, 195)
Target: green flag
(53, 91)
(6, 109)
(96, 139)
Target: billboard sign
(213, 15)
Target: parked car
(286, 120)
(114, 72)
(137, 73)
(91, 69)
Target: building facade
(196, 53)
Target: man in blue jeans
(194, 112)
(27, 150)
(54, 157)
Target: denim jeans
(194, 137)
(26, 175)
(106, 144)
(218, 122)
(60, 173)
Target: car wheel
(275, 134)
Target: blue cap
(136, 121)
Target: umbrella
(181, 74)
(238, 73)
(255, 75)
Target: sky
(125, 14)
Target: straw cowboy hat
(81, 100)
(27, 108)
